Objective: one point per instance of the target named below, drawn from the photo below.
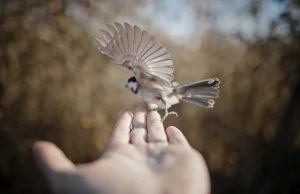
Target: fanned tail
(200, 93)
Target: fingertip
(171, 130)
(154, 115)
(128, 114)
(154, 120)
(156, 130)
(50, 158)
(175, 136)
(38, 154)
(40, 147)
(36, 146)
(140, 109)
(121, 129)
(124, 119)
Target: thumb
(59, 170)
(50, 158)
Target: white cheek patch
(132, 86)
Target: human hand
(136, 161)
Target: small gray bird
(152, 65)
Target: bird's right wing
(136, 50)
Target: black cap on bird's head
(132, 79)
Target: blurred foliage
(56, 86)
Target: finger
(175, 136)
(138, 132)
(50, 158)
(121, 130)
(156, 131)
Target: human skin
(133, 162)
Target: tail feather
(201, 93)
(208, 103)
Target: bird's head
(132, 84)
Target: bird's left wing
(136, 50)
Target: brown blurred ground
(56, 86)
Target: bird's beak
(126, 86)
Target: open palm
(145, 159)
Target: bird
(153, 81)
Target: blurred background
(56, 86)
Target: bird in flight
(152, 65)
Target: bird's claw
(173, 113)
(169, 113)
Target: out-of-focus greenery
(56, 86)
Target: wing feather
(164, 59)
(102, 42)
(151, 51)
(164, 76)
(106, 35)
(117, 53)
(130, 38)
(167, 70)
(123, 36)
(148, 46)
(160, 63)
(137, 39)
(117, 39)
(158, 53)
(138, 51)
(143, 44)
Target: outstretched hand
(141, 157)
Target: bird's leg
(165, 102)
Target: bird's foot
(173, 113)
(167, 114)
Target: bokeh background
(56, 86)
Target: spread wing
(138, 51)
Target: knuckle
(137, 132)
(134, 132)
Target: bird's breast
(154, 97)
(147, 95)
